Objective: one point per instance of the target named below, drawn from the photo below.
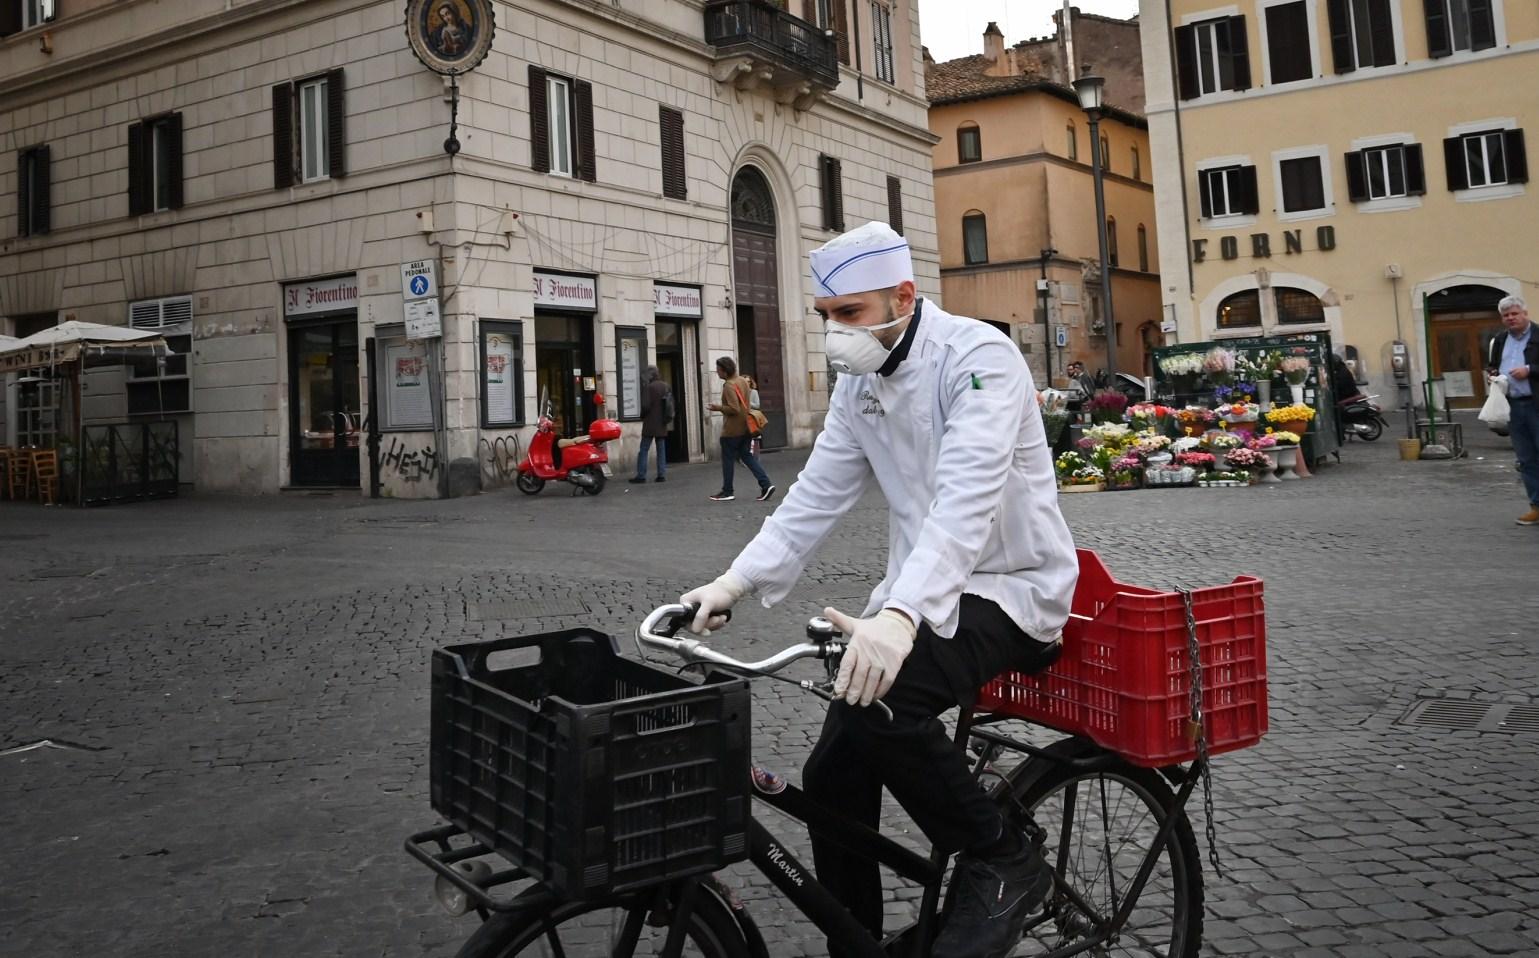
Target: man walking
(1515, 354)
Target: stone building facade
(265, 181)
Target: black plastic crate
(593, 773)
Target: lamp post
(1090, 88)
(1047, 326)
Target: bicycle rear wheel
(1100, 826)
(626, 926)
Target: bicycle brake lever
(826, 693)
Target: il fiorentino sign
(320, 296)
(669, 300)
(561, 291)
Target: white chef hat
(866, 258)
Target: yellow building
(1013, 180)
(1350, 166)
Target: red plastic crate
(1124, 678)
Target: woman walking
(736, 440)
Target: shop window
(34, 204)
(1240, 310)
(1212, 56)
(561, 138)
(1288, 42)
(1385, 172)
(1143, 249)
(18, 15)
(1459, 25)
(502, 374)
(969, 143)
(1490, 158)
(161, 385)
(1297, 306)
(1362, 33)
(881, 41)
(975, 238)
(309, 130)
(630, 361)
(1227, 191)
(1303, 184)
(155, 165)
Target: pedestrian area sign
(419, 280)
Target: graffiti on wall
(412, 465)
(499, 459)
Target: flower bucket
(1410, 449)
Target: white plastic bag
(1496, 410)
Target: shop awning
(69, 341)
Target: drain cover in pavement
(554, 606)
(1465, 715)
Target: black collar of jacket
(1530, 351)
(900, 351)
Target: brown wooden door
(1459, 345)
(758, 335)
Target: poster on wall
(499, 378)
(408, 398)
(631, 345)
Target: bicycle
(1128, 879)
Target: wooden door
(1459, 345)
(758, 298)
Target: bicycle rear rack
(447, 856)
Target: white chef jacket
(955, 440)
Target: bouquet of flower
(1295, 368)
(1291, 413)
(1218, 364)
(1243, 458)
(1083, 475)
(1219, 441)
(1266, 441)
(1186, 364)
(1148, 442)
(1125, 472)
(1186, 444)
(1148, 415)
(1284, 437)
(1069, 464)
(1238, 412)
(1195, 417)
(1226, 476)
(1106, 406)
(1197, 460)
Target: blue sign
(419, 285)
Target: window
(1385, 172)
(1111, 241)
(975, 238)
(34, 205)
(1212, 55)
(1288, 42)
(155, 165)
(1240, 310)
(18, 15)
(831, 15)
(1105, 155)
(830, 172)
(502, 373)
(158, 385)
(1490, 158)
(881, 40)
(561, 138)
(969, 143)
(309, 141)
(895, 204)
(1143, 249)
(1138, 170)
(1073, 153)
(1303, 185)
(1227, 191)
(1295, 306)
(670, 124)
(1459, 25)
(1362, 33)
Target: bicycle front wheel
(621, 927)
(1100, 827)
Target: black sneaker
(638, 479)
(991, 901)
(766, 493)
(661, 479)
(723, 497)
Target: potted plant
(1255, 463)
(1183, 371)
(1295, 369)
(1294, 418)
(1218, 364)
(1076, 474)
(1126, 472)
(1106, 406)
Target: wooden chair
(18, 473)
(45, 469)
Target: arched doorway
(756, 297)
(1464, 321)
(1150, 338)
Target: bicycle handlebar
(693, 650)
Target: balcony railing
(759, 43)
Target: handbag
(755, 418)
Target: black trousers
(859, 751)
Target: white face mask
(855, 349)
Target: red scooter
(580, 460)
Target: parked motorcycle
(1360, 416)
(580, 460)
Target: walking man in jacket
(654, 426)
(1515, 353)
(938, 411)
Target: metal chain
(1199, 726)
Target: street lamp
(1090, 88)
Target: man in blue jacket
(1515, 354)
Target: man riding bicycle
(939, 411)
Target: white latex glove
(714, 598)
(877, 648)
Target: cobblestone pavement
(249, 678)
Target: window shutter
(173, 136)
(283, 135)
(1186, 62)
(336, 124)
(1357, 177)
(1453, 159)
(42, 201)
(1204, 190)
(23, 197)
(587, 163)
(1239, 52)
(1415, 171)
(1517, 156)
(833, 194)
(671, 128)
(1439, 40)
(539, 122)
(1341, 36)
(1482, 25)
(842, 29)
(138, 133)
(1249, 201)
(810, 11)
(1382, 27)
(895, 204)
